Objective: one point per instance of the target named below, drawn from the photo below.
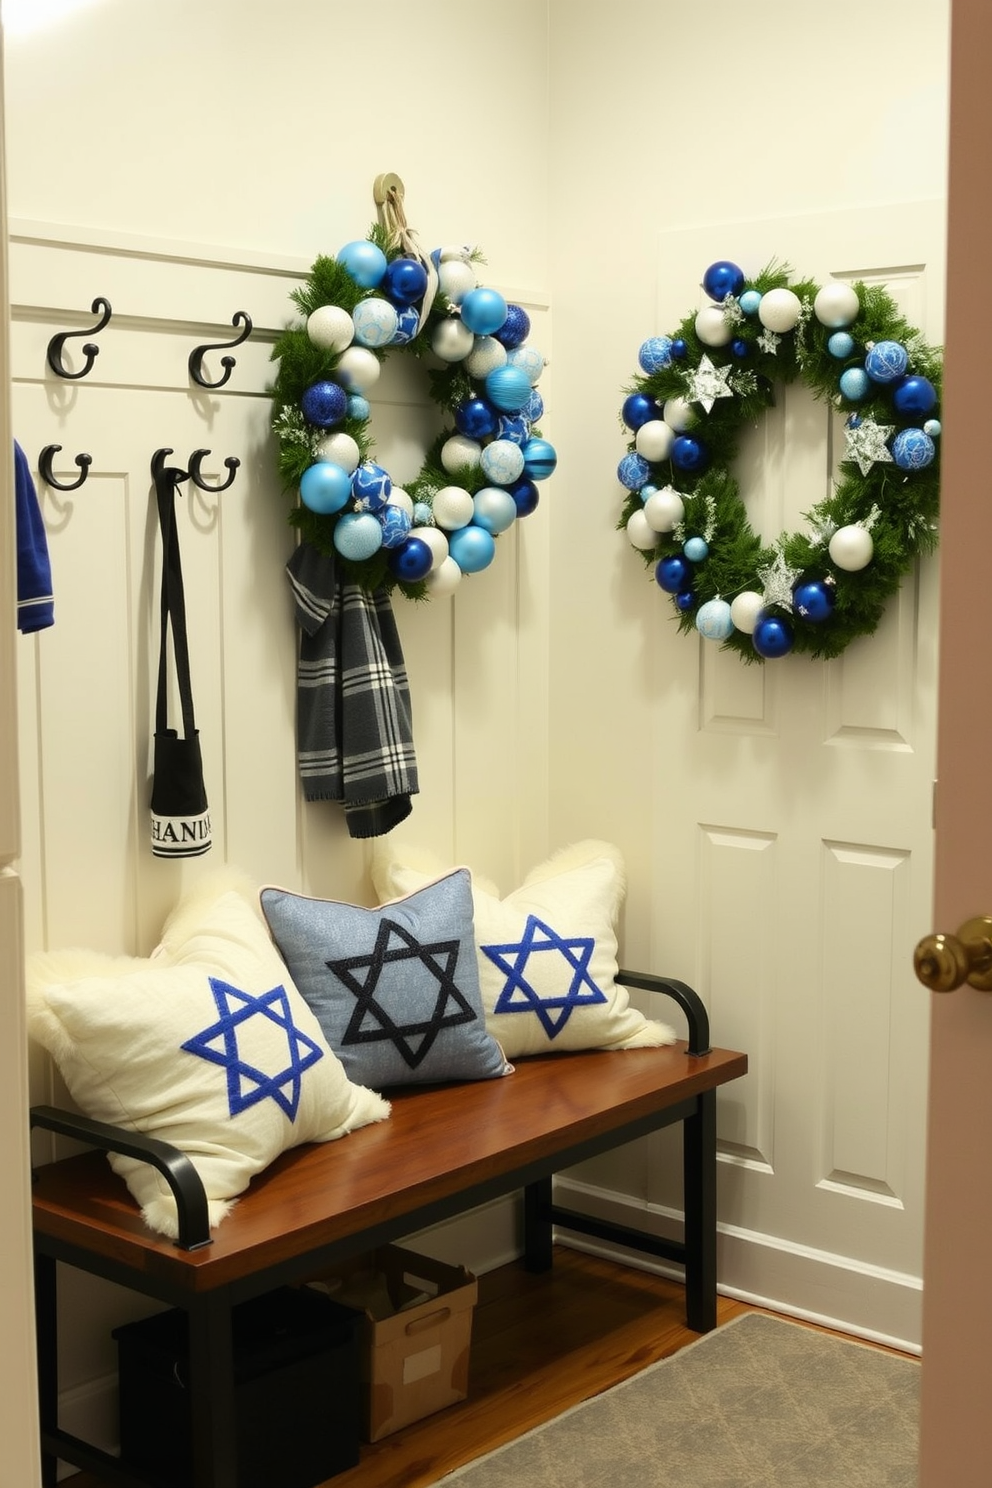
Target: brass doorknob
(943, 962)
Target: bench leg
(211, 1381)
(46, 1327)
(538, 1227)
(699, 1174)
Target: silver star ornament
(708, 383)
(866, 444)
(778, 579)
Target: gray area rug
(758, 1403)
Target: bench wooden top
(439, 1142)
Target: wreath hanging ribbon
(813, 591)
(382, 294)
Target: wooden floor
(539, 1345)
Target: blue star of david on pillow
(519, 996)
(372, 1021)
(246, 1083)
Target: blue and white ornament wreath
(813, 591)
(478, 477)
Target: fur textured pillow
(207, 1044)
(547, 951)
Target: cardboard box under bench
(414, 1333)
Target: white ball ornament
(445, 578)
(399, 497)
(851, 548)
(678, 414)
(330, 328)
(664, 509)
(459, 453)
(529, 360)
(435, 540)
(779, 310)
(375, 322)
(357, 369)
(712, 326)
(455, 278)
(714, 621)
(486, 355)
(654, 440)
(339, 449)
(744, 610)
(452, 341)
(502, 462)
(452, 507)
(836, 305)
(640, 532)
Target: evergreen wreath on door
(812, 591)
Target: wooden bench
(444, 1150)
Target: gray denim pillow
(394, 989)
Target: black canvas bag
(180, 817)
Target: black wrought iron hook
(162, 471)
(90, 351)
(227, 362)
(195, 460)
(45, 468)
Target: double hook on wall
(177, 475)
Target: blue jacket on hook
(35, 603)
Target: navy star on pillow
(520, 996)
(246, 1083)
(427, 982)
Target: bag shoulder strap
(172, 607)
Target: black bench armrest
(175, 1166)
(689, 1001)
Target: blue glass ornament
(749, 301)
(673, 573)
(885, 361)
(639, 409)
(854, 383)
(473, 548)
(533, 408)
(515, 328)
(679, 349)
(395, 522)
(514, 427)
(324, 404)
(740, 348)
(407, 325)
(684, 600)
(508, 387)
(695, 549)
(713, 620)
(325, 487)
(912, 449)
(840, 345)
(357, 535)
(475, 418)
(689, 454)
(633, 471)
(423, 515)
(412, 561)
(358, 407)
(540, 459)
(495, 509)
(655, 354)
(364, 261)
(814, 600)
(370, 486)
(932, 427)
(723, 278)
(484, 311)
(772, 635)
(525, 497)
(405, 281)
(914, 396)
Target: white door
(796, 850)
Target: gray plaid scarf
(354, 731)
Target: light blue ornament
(646, 491)
(932, 427)
(395, 522)
(541, 457)
(840, 345)
(483, 311)
(472, 548)
(696, 549)
(375, 322)
(495, 509)
(749, 301)
(357, 536)
(713, 620)
(633, 471)
(655, 354)
(855, 384)
(364, 261)
(423, 516)
(529, 360)
(886, 360)
(502, 462)
(508, 388)
(912, 449)
(325, 487)
(359, 407)
(370, 486)
(407, 325)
